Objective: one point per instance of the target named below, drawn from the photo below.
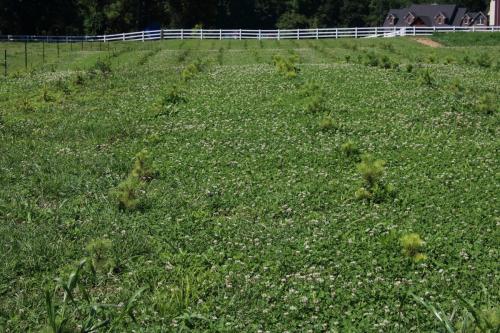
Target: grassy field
(246, 186)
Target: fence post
(356, 32)
(279, 34)
(240, 34)
(336, 32)
(473, 28)
(317, 33)
(414, 30)
(161, 33)
(260, 34)
(220, 34)
(182, 34)
(143, 36)
(26, 53)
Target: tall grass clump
(470, 319)
(71, 306)
(426, 79)
(373, 188)
(286, 66)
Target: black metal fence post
(26, 53)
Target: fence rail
(165, 34)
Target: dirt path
(428, 42)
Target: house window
(391, 19)
(481, 20)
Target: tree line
(112, 16)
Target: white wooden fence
(168, 34)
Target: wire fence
(165, 34)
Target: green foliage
(488, 104)
(101, 256)
(286, 66)
(426, 79)
(316, 104)
(350, 149)
(327, 123)
(191, 70)
(372, 172)
(102, 66)
(173, 97)
(77, 310)
(128, 193)
(484, 60)
(471, 319)
(413, 246)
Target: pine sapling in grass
(327, 123)
(412, 247)
(372, 172)
(287, 66)
(425, 78)
(350, 149)
(129, 191)
(100, 254)
(143, 170)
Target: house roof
(428, 13)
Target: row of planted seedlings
(70, 302)
(373, 188)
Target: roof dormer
(410, 18)
(440, 19)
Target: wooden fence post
(161, 33)
(260, 34)
(182, 34)
(201, 33)
(240, 34)
(279, 34)
(220, 34)
(336, 33)
(143, 36)
(317, 33)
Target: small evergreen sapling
(372, 172)
(413, 247)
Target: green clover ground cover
(204, 190)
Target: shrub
(409, 68)
(412, 246)
(287, 66)
(310, 88)
(373, 188)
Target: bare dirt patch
(428, 42)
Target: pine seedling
(100, 254)
(413, 247)
(350, 149)
(127, 193)
(143, 170)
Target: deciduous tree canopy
(106, 16)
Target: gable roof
(427, 14)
